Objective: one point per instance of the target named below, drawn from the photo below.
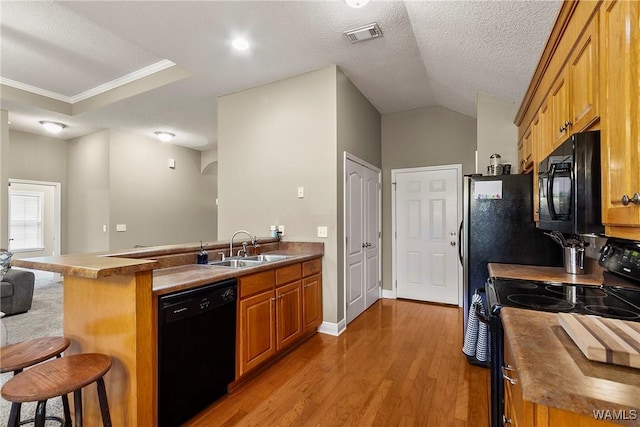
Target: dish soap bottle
(202, 256)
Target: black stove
(608, 301)
(617, 297)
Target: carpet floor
(44, 319)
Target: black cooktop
(606, 301)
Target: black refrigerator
(498, 227)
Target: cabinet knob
(273, 299)
(636, 199)
(625, 200)
(505, 376)
(567, 123)
(506, 421)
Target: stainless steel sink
(236, 263)
(249, 261)
(267, 257)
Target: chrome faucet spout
(233, 237)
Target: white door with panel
(362, 238)
(426, 226)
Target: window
(26, 227)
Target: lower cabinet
(276, 309)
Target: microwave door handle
(550, 179)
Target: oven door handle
(481, 317)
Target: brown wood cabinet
(620, 138)
(525, 153)
(277, 309)
(519, 412)
(312, 302)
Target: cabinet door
(560, 109)
(536, 133)
(620, 138)
(546, 132)
(311, 302)
(521, 156)
(583, 76)
(257, 330)
(288, 313)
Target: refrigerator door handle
(460, 243)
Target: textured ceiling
(432, 53)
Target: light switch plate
(323, 232)
(300, 192)
(121, 227)
(281, 230)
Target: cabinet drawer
(255, 283)
(287, 274)
(311, 267)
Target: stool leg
(14, 415)
(67, 412)
(41, 413)
(77, 404)
(104, 403)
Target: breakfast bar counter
(110, 306)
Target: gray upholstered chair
(16, 291)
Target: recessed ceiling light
(240, 43)
(53, 127)
(164, 136)
(356, 3)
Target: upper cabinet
(583, 78)
(620, 91)
(589, 78)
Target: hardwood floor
(399, 364)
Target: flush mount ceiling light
(356, 3)
(366, 32)
(53, 127)
(164, 136)
(240, 43)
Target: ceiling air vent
(366, 32)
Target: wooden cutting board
(604, 340)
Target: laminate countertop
(554, 372)
(545, 274)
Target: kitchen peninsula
(111, 306)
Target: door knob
(452, 243)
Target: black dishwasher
(196, 349)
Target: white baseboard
(334, 329)
(389, 294)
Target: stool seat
(16, 357)
(56, 378)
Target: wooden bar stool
(15, 357)
(55, 378)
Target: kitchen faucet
(244, 245)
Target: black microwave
(569, 186)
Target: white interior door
(426, 226)
(362, 238)
(354, 232)
(371, 216)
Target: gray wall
(159, 205)
(88, 193)
(428, 136)
(360, 134)
(271, 140)
(496, 131)
(111, 178)
(4, 178)
(40, 158)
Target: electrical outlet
(323, 232)
(121, 227)
(281, 230)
